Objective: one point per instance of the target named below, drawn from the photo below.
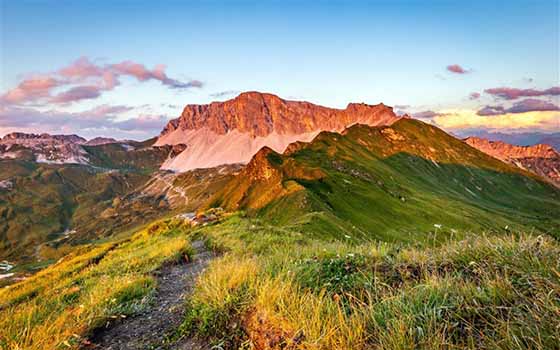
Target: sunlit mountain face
(279, 175)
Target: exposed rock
(540, 159)
(45, 148)
(6, 185)
(233, 131)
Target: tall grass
(62, 304)
(482, 292)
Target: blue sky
(330, 53)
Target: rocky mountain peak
(234, 130)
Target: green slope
(141, 157)
(391, 183)
(46, 199)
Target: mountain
(540, 159)
(72, 149)
(518, 139)
(23, 138)
(54, 184)
(43, 148)
(233, 131)
(100, 141)
(390, 182)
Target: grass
(388, 238)
(389, 184)
(61, 305)
(276, 288)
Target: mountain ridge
(406, 176)
(234, 130)
(541, 159)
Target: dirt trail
(152, 328)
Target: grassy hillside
(45, 199)
(134, 156)
(392, 183)
(278, 288)
(49, 209)
(42, 203)
(59, 306)
(398, 237)
(386, 238)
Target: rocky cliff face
(541, 159)
(233, 131)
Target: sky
(123, 68)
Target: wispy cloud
(425, 114)
(527, 105)
(226, 93)
(474, 96)
(31, 89)
(103, 120)
(84, 79)
(457, 69)
(508, 93)
(464, 119)
(77, 93)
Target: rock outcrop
(540, 159)
(233, 131)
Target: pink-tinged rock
(233, 131)
(540, 159)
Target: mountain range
(328, 228)
(362, 168)
(517, 139)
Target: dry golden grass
(60, 305)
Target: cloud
(30, 89)
(82, 68)
(224, 93)
(84, 79)
(401, 106)
(140, 72)
(474, 96)
(532, 104)
(103, 120)
(457, 69)
(513, 93)
(491, 110)
(77, 93)
(527, 105)
(425, 114)
(143, 122)
(461, 119)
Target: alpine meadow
(396, 187)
